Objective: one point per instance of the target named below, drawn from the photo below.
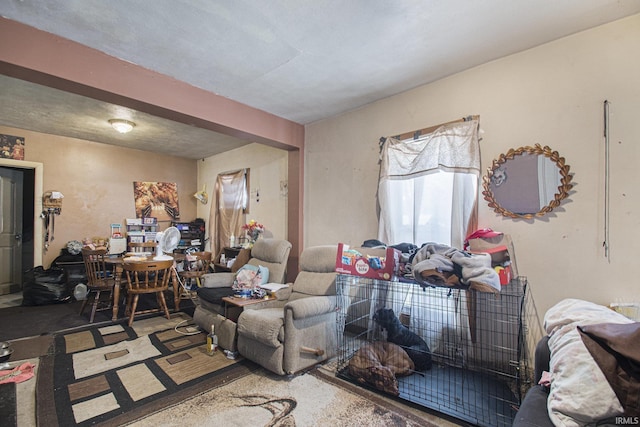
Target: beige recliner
(286, 336)
(210, 309)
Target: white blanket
(580, 394)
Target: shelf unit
(191, 235)
(141, 229)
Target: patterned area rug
(115, 374)
(316, 398)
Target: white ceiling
(303, 60)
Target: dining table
(118, 268)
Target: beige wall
(97, 183)
(553, 95)
(268, 170)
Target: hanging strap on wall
(606, 242)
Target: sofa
(292, 334)
(210, 309)
(533, 410)
(593, 355)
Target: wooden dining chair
(147, 277)
(99, 280)
(148, 246)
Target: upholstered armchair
(210, 309)
(286, 336)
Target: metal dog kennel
(477, 340)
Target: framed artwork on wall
(11, 147)
(156, 199)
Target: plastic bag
(41, 287)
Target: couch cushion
(217, 280)
(319, 259)
(271, 250)
(265, 326)
(317, 274)
(310, 283)
(214, 295)
(616, 349)
(272, 254)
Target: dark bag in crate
(41, 287)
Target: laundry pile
(436, 264)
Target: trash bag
(42, 287)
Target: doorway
(28, 255)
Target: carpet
(314, 398)
(113, 374)
(30, 321)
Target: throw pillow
(249, 277)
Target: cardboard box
(372, 267)
(499, 254)
(500, 247)
(505, 274)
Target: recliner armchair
(210, 309)
(288, 336)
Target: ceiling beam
(43, 58)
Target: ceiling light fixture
(121, 125)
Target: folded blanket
(436, 264)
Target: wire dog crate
(480, 366)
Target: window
(428, 187)
(231, 204)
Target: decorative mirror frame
(563, 189)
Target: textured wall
(553, 95)
(268, 170)
(97, 183)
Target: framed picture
(11, 147)
(156, 199)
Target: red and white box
(500, 261)
(383, 268)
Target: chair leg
(134, 304)
(163, 304)
(84, 302)
(127, 307)
(94, 308)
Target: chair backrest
(317, 274)
(95, 267)
(148, 246)
(273, 254)
(148, 276)
(200, 261)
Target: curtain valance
(453, 147)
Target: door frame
(38, 191)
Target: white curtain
(228, 215)
(428, 186)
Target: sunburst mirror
(527, 182)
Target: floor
(11, 300)
(15, 299)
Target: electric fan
(167, 241)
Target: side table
(241, 255)
(241, 303)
